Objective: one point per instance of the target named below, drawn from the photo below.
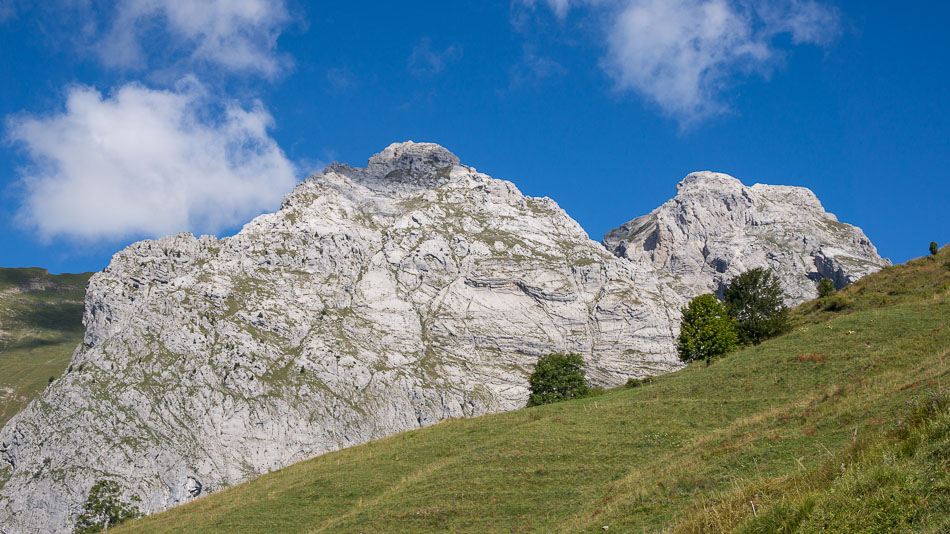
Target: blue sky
(138, 118)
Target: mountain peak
(705, 180)
(414, 164)
(716, 228)
(403, 167)
(411, 157)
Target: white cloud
(238, 35)
(425, 60)
(682, 54)
(144, 162)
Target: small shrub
(636, 382)
(707, 331)
(756, 301)
(837, 303)
(826, 288)
(934, 248)
(557, 377)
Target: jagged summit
(412, 158)
(706, 181)
(716, 228)
(405, 167)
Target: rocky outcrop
(716, 228)
(376, 300)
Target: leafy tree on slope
(557, 377)
(756, 301)
(826, 287)
(707, 331)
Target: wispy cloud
(341, 79)
(147, 162)
(533, 68)
(682, 54)
(7, 10)
(426, 60)
(236, 35)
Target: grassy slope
(40, 326)
(774, 423)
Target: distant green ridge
(40, 326)
(842, 425)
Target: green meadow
(40, 326)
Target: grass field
(841, 425)
(40, 326)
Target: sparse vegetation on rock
(707, 331)
(105, 508)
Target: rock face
(376, 300)
(716, 228)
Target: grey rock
(716, 228)
(376, 300)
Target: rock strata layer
(716, 228)
(376, 300)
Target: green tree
(826, 287)
(756, 301)
(707, 331)
(557, 377)
(104, 508)
(934, 247)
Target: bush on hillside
(826, 288)
(104, 508)
(757, 303)
(707, 330)
(637, 382)
(934, 248)
(557, 377)
(837, 303)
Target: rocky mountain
(376, 300)
(716, 228)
